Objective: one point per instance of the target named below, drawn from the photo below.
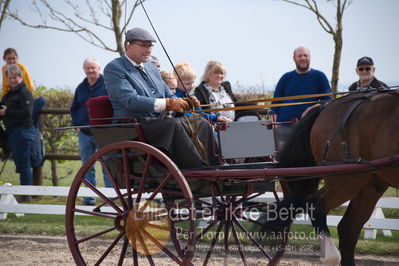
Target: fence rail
(8, 204)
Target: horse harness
(347, 159)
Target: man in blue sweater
(92, 86)
(301, 81)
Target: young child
(187, 76)
(169, 80)
(10, 56)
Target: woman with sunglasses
(365, 70)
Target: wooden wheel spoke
(250, 220)
(144, 246)
(249, 198)
(96, 235)
(252, 239)
(126, 170)
(144, 177)
(98, 214)
(203, 202)
(156, 191)
(101, 195)
(160, 227)
(226, 236)
(212, 245)
(135, 257)
(110, 248)
(112, 180)
(240, 246)
(160, 246)
(256, 206)
(123, 251)
(201, 234)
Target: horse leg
(357, 214)
(329, 254)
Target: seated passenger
(135, 88)
(186, 83)
(217, 92)
(169, 80)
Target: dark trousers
(21, 140)
(174, 136)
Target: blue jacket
(291, 84)
(128, 91)
(83, 93)
(207, 116)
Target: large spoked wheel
(132, 223)
(228, 230)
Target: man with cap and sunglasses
(365, 70)
(136, 89)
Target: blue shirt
(83, 93)
(292, 84)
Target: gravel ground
(45, 250)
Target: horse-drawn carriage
(162, 214)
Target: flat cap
(139, 34)
(365, 60)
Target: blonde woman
(216, 91)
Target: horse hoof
(331, 261)
(329, 253)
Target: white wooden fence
(8, 204)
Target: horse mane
(297, 151)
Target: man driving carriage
(136, 89)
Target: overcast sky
(254, 39)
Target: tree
(335, 32)
(86, 21)
(3, 9)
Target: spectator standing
(301, 81)
(10, 56)
(16, 111)
(91, 86)
(365, 70)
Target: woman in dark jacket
(215, 91)
(16, 112)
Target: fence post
(10, 200)
(372, 233)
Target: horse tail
(296, 152)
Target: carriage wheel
(133, 222)
(226, 230)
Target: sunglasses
(364, 68)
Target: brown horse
(358, 127)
